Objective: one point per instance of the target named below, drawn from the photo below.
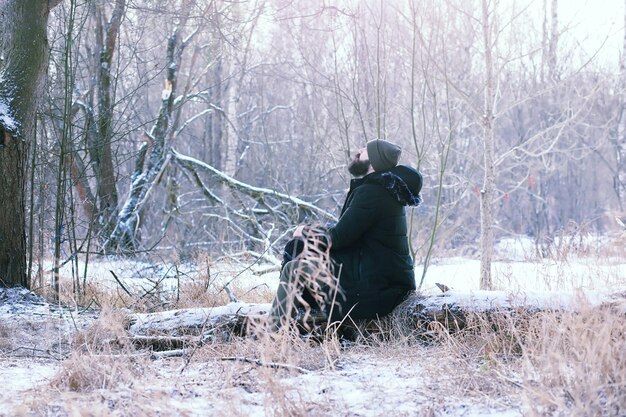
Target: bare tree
(124, 236)
(619, 143)
(487, 190)
(101, 152)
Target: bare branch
(255, 192)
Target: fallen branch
(258, 193)
(176, 353)
(43, 353)
(452, 308)
(206, 322)
(273, 365)
(120, 283)
(231, 295)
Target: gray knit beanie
(383, 155)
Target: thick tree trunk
(103, 155)
(23, 58)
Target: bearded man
(370, 266)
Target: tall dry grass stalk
(308, 291)
(574, 364)
(315, 274)
(298, 345)
(553, 363)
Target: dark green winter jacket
(370, 246)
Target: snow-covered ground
(515, 269)
(35, 336)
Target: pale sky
(592, 23)
(589, 27)
(594, 16)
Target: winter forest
(193, 136)
(161, 140)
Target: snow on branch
(257, 193)
(194, 320)
(452, 308)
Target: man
(368, 245)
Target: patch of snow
(6, 119)
(478, 411)
(545, 275)
(22, 375)
(519, 248)
(368, 388)
(137, 276)
(20, 300)
(524, 248)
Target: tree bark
(124, 237)
(487, 192)
(23, 59)
(103, 155)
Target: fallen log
(418, 313)
(451, 309)
(209, 322)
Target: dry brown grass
(574, 364)
(285, 351)
(103, 357)
(560, 363)
(106, 334)
(87, 371)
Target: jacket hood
(403, 182)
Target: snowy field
(382, 379)
(516, 268)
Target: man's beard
(358, 168)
